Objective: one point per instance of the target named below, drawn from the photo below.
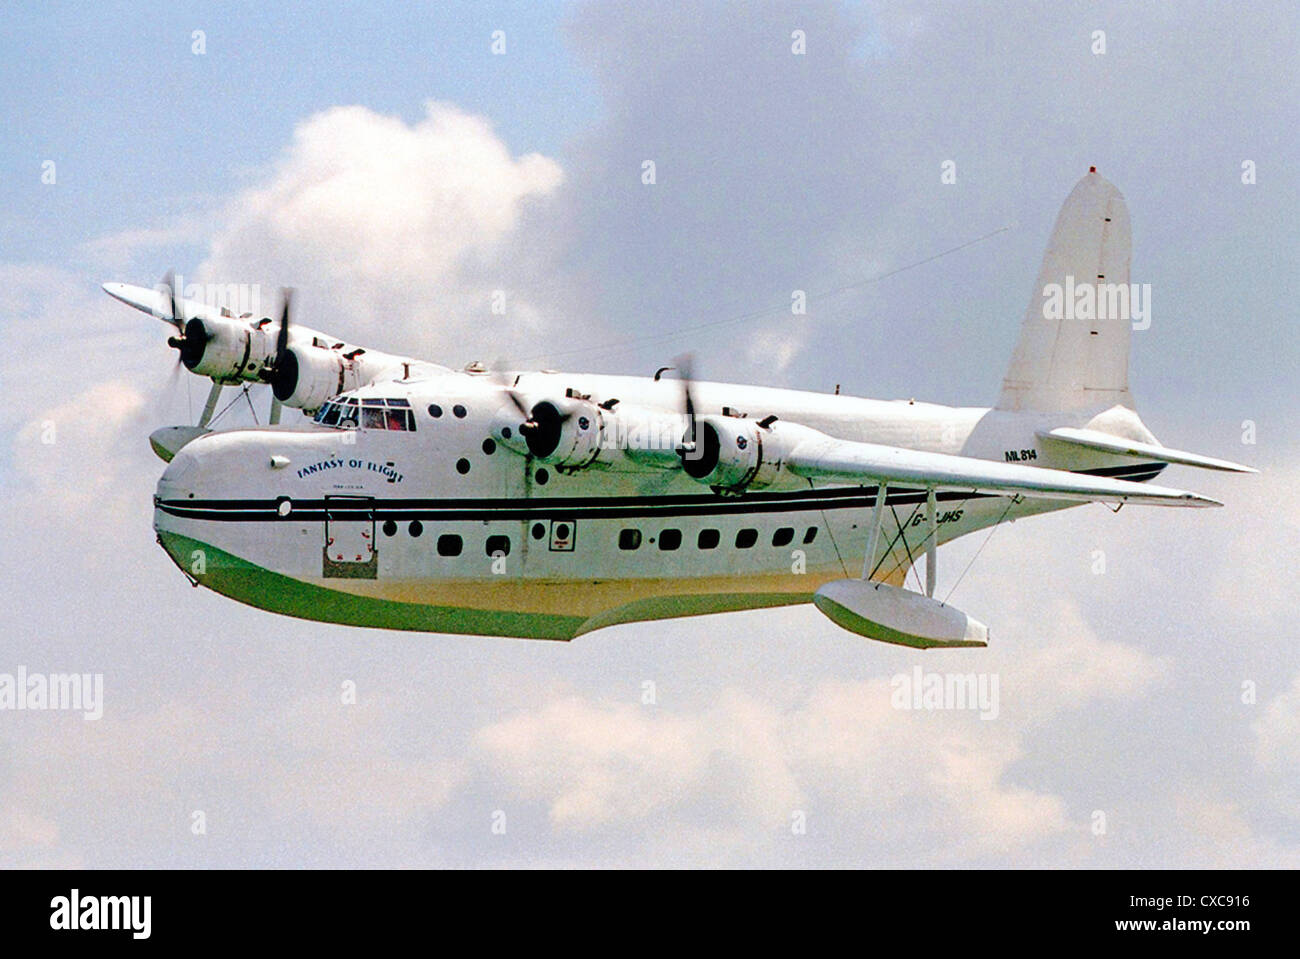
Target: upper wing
(815, 455)
(232, 349)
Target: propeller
(191, 336)
(167, 286)
(691, 449)
(498, 374)
(542, 423)
(543, 428)
(281, 371)
(174, 316)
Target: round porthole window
(390, 528)
(284, 506)
(435, 410)
(459, 411)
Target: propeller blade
(498, 374)
(169, 283)
(690, 440)
(282, 340)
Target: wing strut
(931, 542)
(873, 537)
(213, 395)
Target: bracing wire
(992, 530)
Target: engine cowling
(565, 433)
(732, 454)
(307, 376)
(226, 350)
(614, 437)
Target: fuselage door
(349, 550)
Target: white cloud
(1277, 746)
(396, 234)
(75, 453)
(748, 763)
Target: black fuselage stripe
(586, 507)
(383, 509)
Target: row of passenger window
(450, 544)
(670, 539)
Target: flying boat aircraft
(546, 505)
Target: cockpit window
(372, 413)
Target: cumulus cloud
(757, 763)
(74, 454)
(396, 234)
(1277, 746)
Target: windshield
(371, 413)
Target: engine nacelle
(228, 350)
(565, 433)
(732, 454)
(573, 433)
(307, 376)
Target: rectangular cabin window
(810, 535)
(746, 538)
(399, 420)
(670, 539)
(348, 415)
(709, 539)
(497, 545)
(629, 538)
(783, 536)
(449, 544)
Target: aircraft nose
(177, 479)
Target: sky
(387, 164)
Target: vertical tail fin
(1074, 341)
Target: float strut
(873, 536)
(932, 542)
(213, 395)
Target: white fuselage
(444, 528)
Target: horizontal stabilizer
(1106, 443)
